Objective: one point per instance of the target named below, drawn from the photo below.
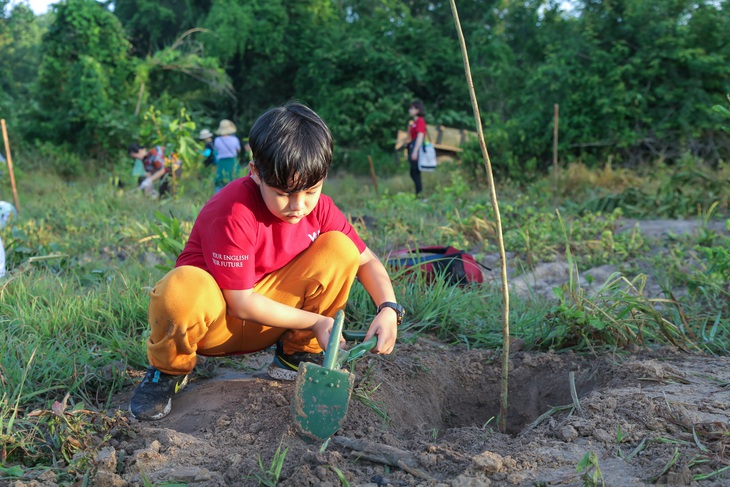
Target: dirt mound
(425, 415)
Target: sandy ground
(430, 419)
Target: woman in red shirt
(417, 131)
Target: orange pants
(188, 314)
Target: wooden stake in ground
(372, 174)
(10, 165)
(555, 155)
(500, 239)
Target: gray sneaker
(286, 366)
(152, 399)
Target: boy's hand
(385, 327)
(322, 330)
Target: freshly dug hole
(450, 388)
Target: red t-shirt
(418, 126)
(238, 240)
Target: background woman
(417, 131)
(227, 147)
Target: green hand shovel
(322, 393)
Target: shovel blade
(320, 400)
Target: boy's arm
(248, 305)
(375, 279)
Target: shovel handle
(333, 345)
(354, 335)
(359, 350)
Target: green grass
(83, 255)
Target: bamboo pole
(372, 174)
(10, 165)
(503, 402)
(555, 155)
(139, 99)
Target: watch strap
(399, 310)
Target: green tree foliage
(162, 73)
(258, 42)
(632, 78)
(725, 113)
(20, 34)
(635, 80)
(85, 79)
(153, 24)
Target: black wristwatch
(399, 310)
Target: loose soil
(426, 416)
(429, 418)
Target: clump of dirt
(426, 415)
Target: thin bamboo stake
(555, 155)
(503, 402)
(372, 174)
(139, 99)
(10, 165)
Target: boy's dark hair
(134, 148)
(418, 105)
(291, 147)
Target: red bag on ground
(457, 266)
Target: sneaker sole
(278, 373)
(142, 417)
(165, 411)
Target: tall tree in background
(153, 24)
(633, 79)
(85, 79)
(257, 41)
(20, 34)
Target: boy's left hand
(385, 327)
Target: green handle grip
(333, 345)
(356, 352)
(354, 335)
(359, 350)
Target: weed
(341, 476)
(712, 474)
(61, 435)
(617, 315)
(669, 465)
(171, 237)
(269, 476)
(588, 466)
(364, 393)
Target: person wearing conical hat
(227, 147)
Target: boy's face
(288, 207)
